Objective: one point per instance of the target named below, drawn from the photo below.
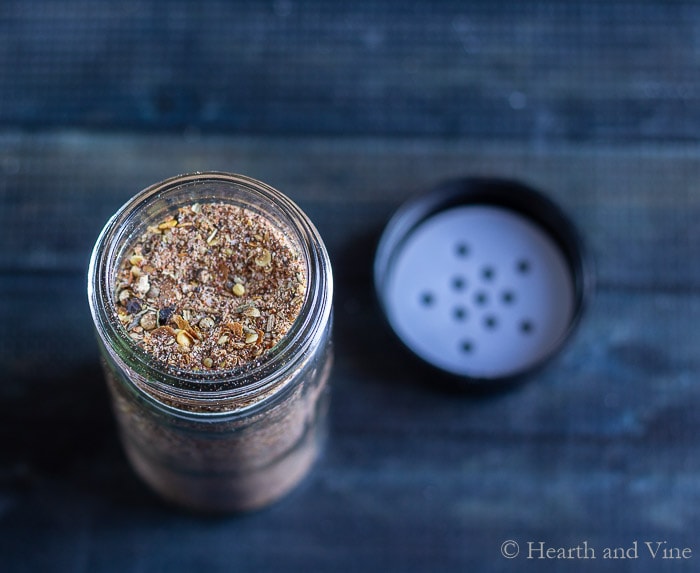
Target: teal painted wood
(532, 70)
(636, 205)
(352, 109)
(600, 446)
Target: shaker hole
(481, 298)
(458, 283)
(523, 266)
(462, 249)
(490, 322)
(466, 346)
(526, 327)
(488, 273)
(508, 297)
(427, 299)
(459, 313)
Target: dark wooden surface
(351, 109)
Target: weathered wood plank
(594, 102)
(534, 70)
(417, 504)
(637, 206)
(601, 446)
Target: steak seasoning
(211, 295)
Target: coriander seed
(149, 321)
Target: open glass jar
(218, 440)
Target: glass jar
(226, 440)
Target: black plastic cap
(483, 279)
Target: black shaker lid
(484, 279)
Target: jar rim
(249, 379)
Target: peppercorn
(133, 306)
(165, 314)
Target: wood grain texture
(600, 446)
(637, 206)
(532, 70)
(350, 109)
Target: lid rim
(507, 194)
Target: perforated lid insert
(480, 291)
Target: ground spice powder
(210, 288)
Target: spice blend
(207, 287)
(233, 465)
(210, 288)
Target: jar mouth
(161, 199)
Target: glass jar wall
(211, 439)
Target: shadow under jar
(217, 440)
